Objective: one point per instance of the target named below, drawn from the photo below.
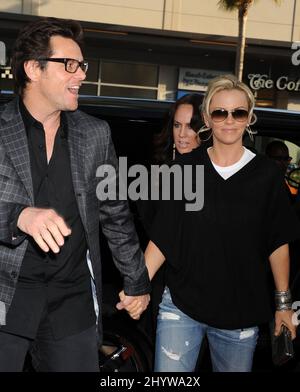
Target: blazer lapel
(76, 142)
(14, 138)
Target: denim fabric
(179, 338)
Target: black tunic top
(218, 256)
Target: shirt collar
(30, 121)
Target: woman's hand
(284, 317)
(134, 305)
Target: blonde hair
(226, 82)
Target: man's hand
(135, 305)
(284, 317)
(47, 228)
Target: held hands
(47, 228)
(284, 317)
(135, 305)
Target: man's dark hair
(33, 42)
(277, 148)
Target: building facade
(164, 48)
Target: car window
(260, 142)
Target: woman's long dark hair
(163, 142)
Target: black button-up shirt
(60, 282)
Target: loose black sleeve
(167, 228)
(283, 225)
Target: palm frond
(229, 5)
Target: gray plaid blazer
(90, 146)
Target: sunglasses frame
(233, 113)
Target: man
(279, 152)
(49, 211)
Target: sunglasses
(219, 115)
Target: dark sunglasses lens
(240, 115)
(219, 115)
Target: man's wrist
(14, 225)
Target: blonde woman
(217, 258)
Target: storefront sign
(195, 79)
(296, 55)
(259, 81)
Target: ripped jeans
(179, 338)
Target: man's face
(58, 89)
(282, 162)
(281, 156)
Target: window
(129, 80)
(117, 79)
(260, 142)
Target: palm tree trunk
(239, 59)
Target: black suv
(128, 345)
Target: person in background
(178, 136)
(217, 257)
(49, 210)
(279, 152)
(180, 133)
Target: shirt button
(13, 274)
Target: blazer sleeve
(10, 204)
(118, 227)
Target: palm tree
(242, 6)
